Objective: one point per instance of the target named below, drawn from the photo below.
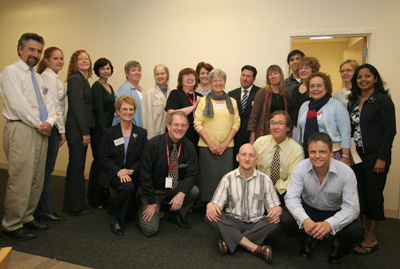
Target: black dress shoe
(117, 229)
(33, 225)
(176, 218)
(307, 248)
(335, 256)
(19, 234)
(50, 217)
(81, 213)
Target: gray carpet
(88, 241)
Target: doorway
(332, 50)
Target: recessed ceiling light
(321, 37)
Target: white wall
(226, 33)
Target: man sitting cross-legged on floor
(246, 193)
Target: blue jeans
(45, 205)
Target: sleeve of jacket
(76, 103)
(256, 111)
(186, 184)
(106, 159)
(388, 118)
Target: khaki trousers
(26, 152)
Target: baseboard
(61, 173)
(391, 213)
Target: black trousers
(370, 185)
(123, 204)
(347, 237)
(74, 193)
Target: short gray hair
(216, 73)
(165, 68)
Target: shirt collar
(254, 175)
(132, 87)
(332, 166)
(49, 70)
(23, 65)
(248, 89)
(282, 145)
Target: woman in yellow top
(217, 121)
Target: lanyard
(177, 157)
(191, 101)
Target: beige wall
(179, 33)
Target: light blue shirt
(127, 89)
(333, 119)
(338, 191)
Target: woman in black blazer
(120, 152)
(79, 128)
(373, 123)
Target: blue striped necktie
(42, 106)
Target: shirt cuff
(334, 225)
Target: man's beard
(32, 61)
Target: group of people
(255, 157)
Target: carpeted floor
(88, 241)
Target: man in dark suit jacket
(113, 163)
(247, 78)
(168, 174)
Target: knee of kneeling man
(195, 192)
(149, 231)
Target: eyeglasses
(277, 123)
(188, 76)
(346, 71)
(125, 109)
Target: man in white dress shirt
(30, 116)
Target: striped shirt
(246, 199)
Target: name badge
(258, 196)
(168, 182)
(119, 141)
(319, 115)
(45, 90)
(182, 165)
(159, 95)
(221, 106)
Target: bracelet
(345, 156)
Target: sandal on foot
(365, 250)
(264, 252)
(222, 246)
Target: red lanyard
(194, 99)
(177, 157)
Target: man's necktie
(174, 171)
(42, 106)
(244, 99)
(275, 166)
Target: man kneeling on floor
(246, 193)
(322, 199)
(168, 172)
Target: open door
(331, 51)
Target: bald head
(247, 157)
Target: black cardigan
(378, 124)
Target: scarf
(311, 121)
(209, 111)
